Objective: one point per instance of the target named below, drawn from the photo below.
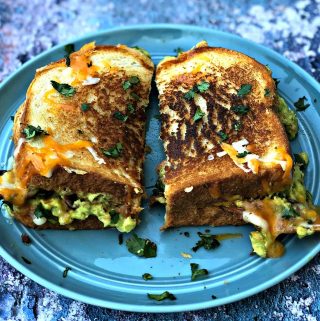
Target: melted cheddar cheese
(36, 160)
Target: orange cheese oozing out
(38, 160)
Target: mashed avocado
(87, 204)
(297, 190)
(259, 242)
(288, 118)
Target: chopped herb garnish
(63, 89)
(300, 104)
(178, 51)
(267, 92)
(31, 132)
(240, 110)
(145, 52)
(276, 81)
(65, 272)
(131, 109)
(243, 154)
(203, 86)
(25, 239)
(198, 115)
(244, 90)
(141, 247)
(186, 234)
(69, 49)
(114, 216)
(189, 95)
(196, 272)
(222, 135)
(309, 196)
(132, 81)
(237, 125)
(113, 152)
(85, 107)
(157, 117)
(290, 212)
(147, 276)
(120, 239)
(12, 118)
(40, 211)
(162, 296)
(118, 115)
(135, 96)
(26, 260)
(213, 297)
(208, 241)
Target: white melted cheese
(221, 154)
(188, 189)
(94, 154)
(90, 81)
(39, 221)
(17, 149)
(256, 220)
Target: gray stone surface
(290, 27)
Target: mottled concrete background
(290, 27)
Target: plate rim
(159, 308)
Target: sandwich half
(79, 138)
(228, 158)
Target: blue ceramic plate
(105, 273)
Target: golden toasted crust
(189, 143)
(67, 123)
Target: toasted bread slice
(93, 139)
(195, 176)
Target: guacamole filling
(63, 208)
(288, 118)
(291, 210)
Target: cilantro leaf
(196, 272)
(40, 211)
(162, 296)
(178, 51)
(290, 212)
(113, 152)
(222, 135)
(32, 131)
(267, 92)
(135, 96)
(207, 240)
(26, 260)
(244, 90)
(237, 125)
(141, 247)
(131, 109)
(132, 81)
(122, 117)
(85, 107)
(114, 216)
(198, 115)
(276, 81)
(203, 86)
(63, 89)
(69, 49)
(243, 154)
(65, 272)
(147, 276)
(300, 104)
(240, 110)
(189, 95)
